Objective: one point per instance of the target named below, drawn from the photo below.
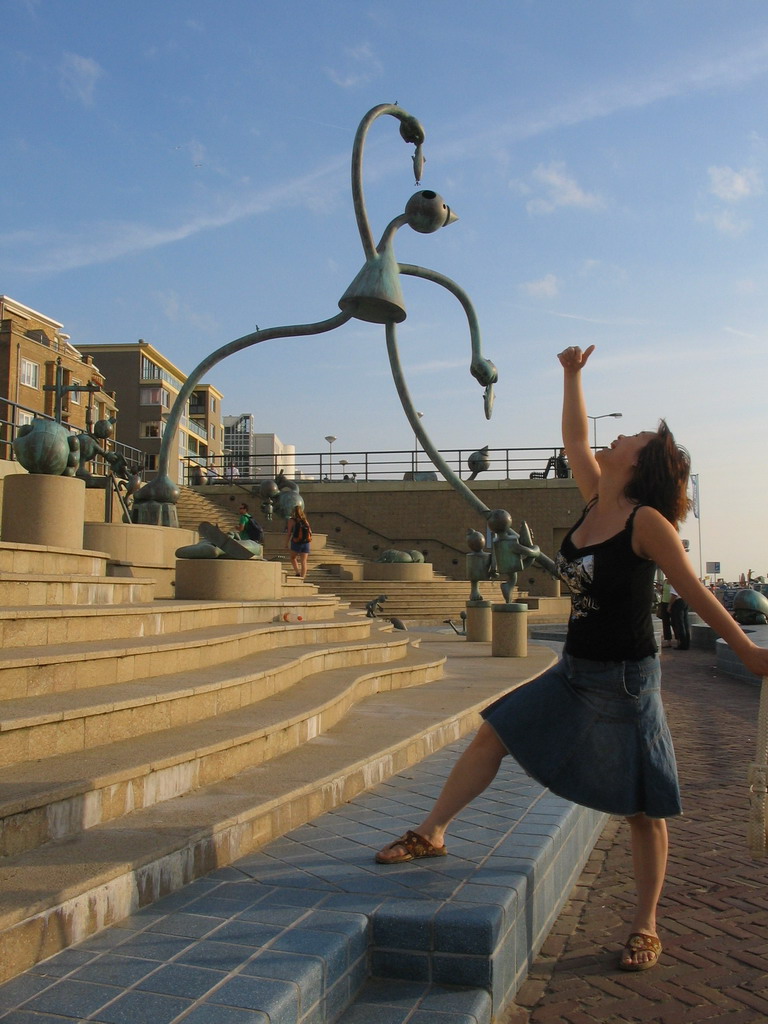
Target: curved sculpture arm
(411, 131)
(294, 331)
(415, 422)
(482, 369)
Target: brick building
(32, 347)
(147, 384)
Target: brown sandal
(415, 847)
(640, 942)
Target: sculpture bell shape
(375, 294)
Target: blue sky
(178, 171)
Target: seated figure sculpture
(214, 543)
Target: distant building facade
(250, 455)
(147, 384)
(32, 349)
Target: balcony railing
(504, 464)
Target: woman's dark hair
(661, 476)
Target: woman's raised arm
(581, 458)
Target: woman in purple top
(593, 727)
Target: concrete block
(227, 580)
(408, 572)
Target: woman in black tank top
(593, 728)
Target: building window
(213, 404)
(150, 461)
(30, 373)
(75, 395)
(148, 369)
(23, 418)
(212, 431)
(153, 429)
(154, 396)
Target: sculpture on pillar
(46, 447)
(479, 462)
(750, 607)
(478, 563)
(512, 552)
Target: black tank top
(611, 597)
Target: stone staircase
(144, 742)
(194, 507)
(148, 743)
(334, 569)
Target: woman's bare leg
(473, 772)
(303, 559)
(649, 854)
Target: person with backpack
(298, 534)
(247, 527)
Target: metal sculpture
(375, 296)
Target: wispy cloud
(50, 251)
(362, 67)
(726, 221)
(740, 334)
(685, 77)
(615, 321)
(78, 77)
(179, 312)
(733, 186)
(53, 251)
(545, 288)
(560, 190)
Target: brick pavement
(714, 909)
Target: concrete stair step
(24, 558)
(65, 890)
(23, 626)
(36, 588)
(60, 668)
(76, 720)
(299, 698)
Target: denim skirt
(594, 732)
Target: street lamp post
(605, 416)
(330, 439)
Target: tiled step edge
(489, 936)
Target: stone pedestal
(139, 550)
(45, 510)
(401, 572)
(479, 622)
(224, 579)
(510, 631)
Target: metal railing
(503, 464)
(16, 415)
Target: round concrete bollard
(478, 622)
(510, 631)
(44, 510)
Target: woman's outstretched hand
(573, 359)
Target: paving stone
(714, 909)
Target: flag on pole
(695, 494)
